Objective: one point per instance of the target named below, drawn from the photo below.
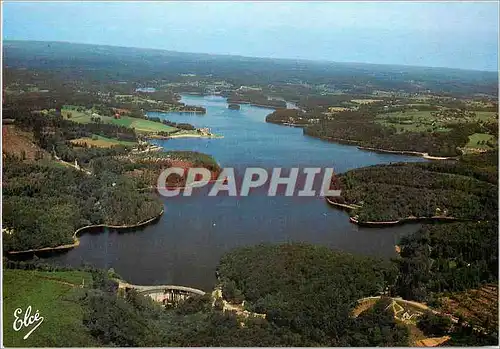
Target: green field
(486, 115)
(54, 295)
(411, 121)
(140, 125)
(478, 140)
(102, 142)
(424, 121)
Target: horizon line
(254, 57)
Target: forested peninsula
(464, 190)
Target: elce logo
(27, 321)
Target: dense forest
(440, 260)
(446, 258)
(403, 190)
(310, 290)
(293, 117)
(43, 204)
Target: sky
(437, 34)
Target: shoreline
(395, 222)
(177, 111)
(184, 136)
(407, 220)
(378, 150)
(76, 242)
(254, 104)
(343, 206)
(409, 152)
(286, 124)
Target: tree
(219, 304)
(231, 293)
(434, 324)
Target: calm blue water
(184, 247)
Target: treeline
(53, 133)
(307, 292)
(45, 202)
(136, 106)
(289, 116)
(436, 325)
(179, 125)
(254, 97)
(192, 108)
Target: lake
(184, 247)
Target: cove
(184, 247)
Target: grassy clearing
(479, 140)
(489, 116)
(101, 142)
(77, 116)
(140, 125)
(147, 126)
(52, 295)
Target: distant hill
(112, 62)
